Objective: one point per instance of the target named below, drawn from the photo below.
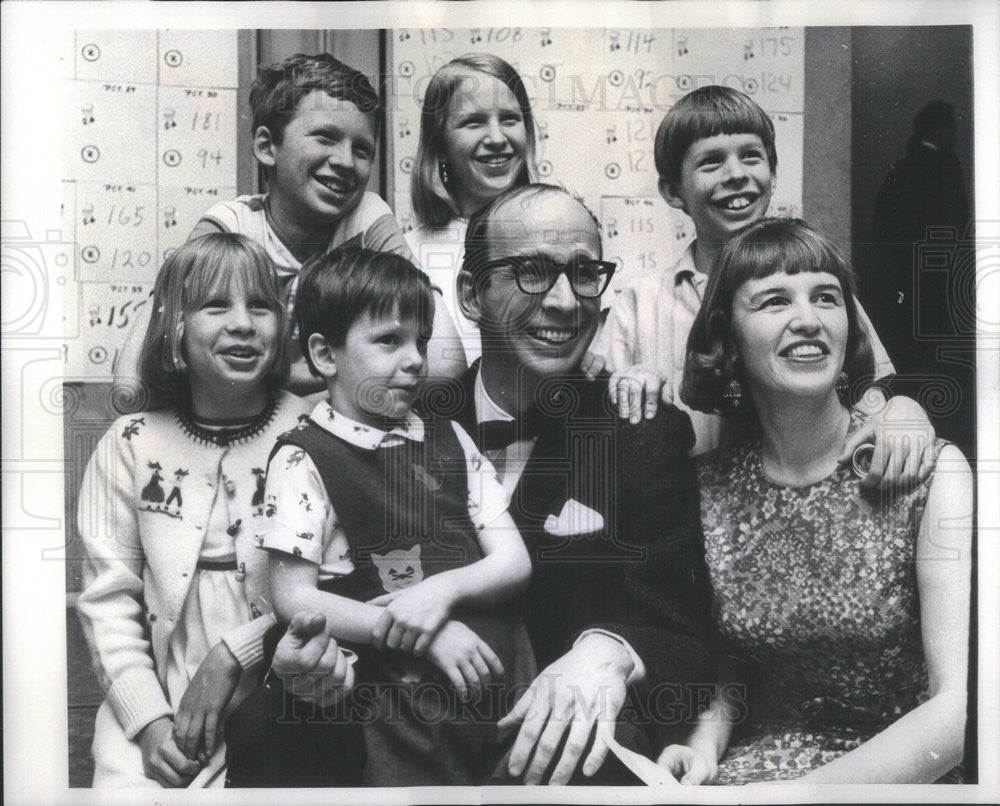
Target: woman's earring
(733, 393)
(843, 384)
(443, 170)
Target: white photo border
(35, 712)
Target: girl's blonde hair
(432, 203)
(188, 277)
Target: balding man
(617, 608)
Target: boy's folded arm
(413, 616)
(293, 583)
(504, 571)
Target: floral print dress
(815, 596)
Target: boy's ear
(468, 299)
(322, 356)
(670, 195)
(263, 146)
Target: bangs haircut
(338, 288)
(190, 276)
(279, 88)
(478, 240)
(771, 246)
(432, 203)
(707, 112)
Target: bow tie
(495, 435)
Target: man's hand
(636, 390)
(198, 722)
(465, 658)
(583, 689)
(688, 765)
(904, 445)
(413, 615)
(162, 760)
(310, 663)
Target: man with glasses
(618, 608)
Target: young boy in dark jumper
(394, 528)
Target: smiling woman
(785, 286)
(846, 629)
(791, 331)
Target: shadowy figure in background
(921, 219)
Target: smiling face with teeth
(725, 185)
(318, 171)
(534, 335)
(484, 141)
(790, 332)
(230, 342)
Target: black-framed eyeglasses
(538, 274)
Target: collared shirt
(297, 504)
(510, 461)
(649, 324)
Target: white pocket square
(575, 519)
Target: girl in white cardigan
(175, 603)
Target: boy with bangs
(716, 159)
(315, 123)
(394, 529)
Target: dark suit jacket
(640, 576)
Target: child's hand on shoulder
(465, 658)
(636, 391)
(413, 615)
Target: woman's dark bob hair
(189, 276)
(771, 246)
